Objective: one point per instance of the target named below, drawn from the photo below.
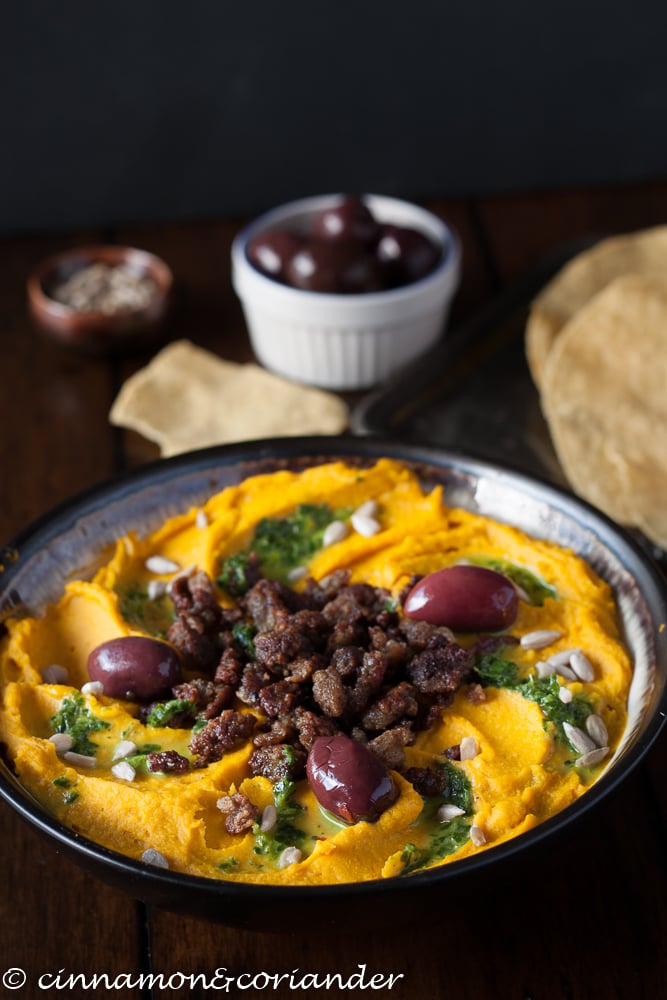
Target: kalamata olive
(333, 267)
(316, 268)
(464, 598)
(348, 779)
(135, 667)
(406, 255)
(361, 273)
(270, 251)
(350, 221)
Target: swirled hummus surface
(473, 761)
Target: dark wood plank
(54, 441)
(522, 229)
(56, 917)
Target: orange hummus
(519, 767)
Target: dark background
(143, 110)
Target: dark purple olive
(360, 274)
(348, 779)
(465, 599)
(348, 221)
(135, 667)
(269, 252)
(334, 268)
(406, 255)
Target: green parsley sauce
(535, 588)
(75, 718)
(281, 544)
(152, 615)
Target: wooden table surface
(588, 920)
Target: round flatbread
(188, 398)
(604, 396)
(643, 253)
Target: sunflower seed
(93, 687)
(544, 669)
(201, 519)
(469, 748)
(123, 749)
(449, 811)
(582, 666)
(593, 757)
(564, 694)
(365, 525)
(153, 857)
(334, 532)
(540, 638)
(290, 856)
(123, 769)
(564, 671)
(62, 742)
(597, 730)
(477, 835)
(562, 658)
(156, 589)
(79, 759)
(161, 565)
(55, 674)
(522, 594)
(297, 574)
(368, 509)
(578, 738)
(560, 663)
(269, 818)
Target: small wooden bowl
(92, 331)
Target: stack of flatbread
(189, 398)
(596, 342)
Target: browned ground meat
(206, 695)
(310, 725)
(329, 693)
(475, 694)
(279, 731)
(399, 702)
(168, 761)
(253, 679)
(419, 634)
(369, 681)
(440, 668)
(218, 735)
(269, 604)
(390, 745)
(200, 621)
(240, 814)
(279, 698)
(278, 761)
(427, 781)
(334, 657)
(301, 635)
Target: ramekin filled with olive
(342, 291)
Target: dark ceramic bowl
(68, 540)
(91, 331)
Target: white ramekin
(345, 341)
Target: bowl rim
(150, 882)
(91, 253)
(447, 271)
